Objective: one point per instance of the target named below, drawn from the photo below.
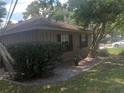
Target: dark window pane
(59, 38)
(70, 42)
(83, 41)
(66, 41)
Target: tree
(5, 57)
(46, 9)
(32, 10)
(119, 29)
(74, 4)
(50, 3)
(62, 13)
(100, 17)
(2, 11)
(41, 8)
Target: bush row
(35, 60)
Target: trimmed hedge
(35, 60)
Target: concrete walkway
(62, 73)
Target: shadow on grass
(108, 77)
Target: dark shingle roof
(39, 23)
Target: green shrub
(76, 59)
(122, 53)
(35, 60)
(103, 53)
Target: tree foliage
(5, 57)
(32, 10)
(100, 11)
(2, 10)
(101, 17)
(74, 4)
(40, 8)
(50, 3)
(50, 9)
(62, 13)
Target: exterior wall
(46, 36)
(29, 36)
(69, 56)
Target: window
(66, 41)
(83, 41)
(64, 38)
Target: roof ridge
(41, 23)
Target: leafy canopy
(101, 17)
(32, 10)
(40, 8)
(49, 9)
(99, 11)
(2, 10)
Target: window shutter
(86, 40)
(80, 41)
(83, 41)
(59, 38)
(70, 42)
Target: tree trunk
(97, 35)
(92, 49)
(92, 53)
(6, 59)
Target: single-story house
(46, 30)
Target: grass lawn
(107, 77)
(115, 51)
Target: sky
(20, 8)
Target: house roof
(39, 24)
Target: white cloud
(63, 1)
(21, 6)
(26, 1)
(4, 22)
(13, 21)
